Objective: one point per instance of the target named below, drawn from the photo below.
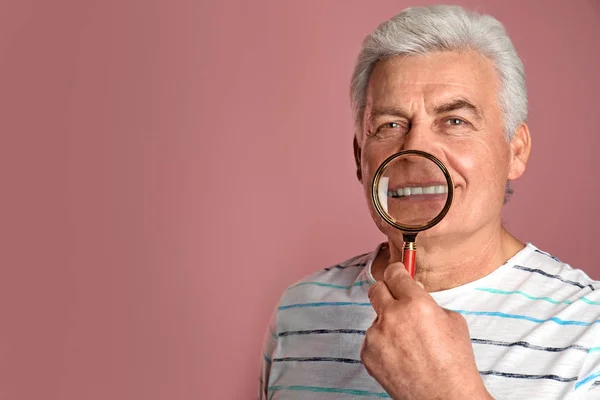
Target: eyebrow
(454, 105)
(459, 104)
(378, 111)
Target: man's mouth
(418, 190)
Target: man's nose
(419, 137)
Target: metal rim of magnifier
(384, 214)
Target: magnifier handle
(409, 258)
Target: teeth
(382, 190)
(408, 191)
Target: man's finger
(379, 295)
(399, 282)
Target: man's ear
(520, 148)
(357, 157)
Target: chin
(439, 231)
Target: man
(486, 316)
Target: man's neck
(442, 266)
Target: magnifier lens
(412, 191)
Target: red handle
(409, 260)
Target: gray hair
(422, 30)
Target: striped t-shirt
(534, 324)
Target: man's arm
(268, 349)
(415, 349)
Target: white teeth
(381, 191)
(408, 191)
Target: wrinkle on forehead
(447, 68)
(424, 79)
(435, 83)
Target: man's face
(445, 104)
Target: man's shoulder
(576, 296)
(544, 266)
(341, 273)
(335, 281)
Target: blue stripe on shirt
(329, 285)
(526, 318)
(318, 389)
(586, 380)
(324, 304)
(531, 297)
(593, 349)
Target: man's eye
(455, 122)
(390, 125)
(389, 129)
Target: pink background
(169, 167)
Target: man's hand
(415, 349)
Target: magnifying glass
(412, 191)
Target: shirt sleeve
(268, 350)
